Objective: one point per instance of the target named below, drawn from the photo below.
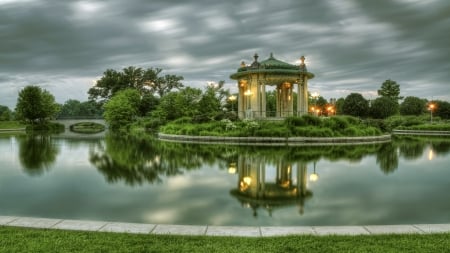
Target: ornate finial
(302, 59)
(256, 57)
(242, 64)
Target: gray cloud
(349, 45)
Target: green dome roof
(273, 63)
(272, 66)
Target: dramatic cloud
(351, 46)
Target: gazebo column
(305, 96)
(278, 101)
(302, 99)
(263, 100)
(258, 109)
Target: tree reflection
(37, 153)
(138, 161)
(387, 158)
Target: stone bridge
(68, 122)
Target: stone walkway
(250, 231)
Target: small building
(252, 81)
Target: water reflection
(255, 190)
(37, 153)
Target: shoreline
(212, 230)
(276, 141)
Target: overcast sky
(350, 45)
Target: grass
(87, 128)
(11, 125)
(14, 239)
(308, 126)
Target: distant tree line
(123, 97)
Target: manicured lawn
(87, 127)
(42, 240)
(11, 125)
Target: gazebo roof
(272, 63)
(271, 66)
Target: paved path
(250, 231)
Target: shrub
(350, 131)
(311, 120)
(295, 121)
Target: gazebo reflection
(255, 189)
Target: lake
(111, 178)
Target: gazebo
(252, 80)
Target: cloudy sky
(350, 45)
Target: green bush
(311, 120)
(350, 131)
(182, 120)
(295, 121)
(339, 123)
(279, 131)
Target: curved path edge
(276, 141)
(250, 231)
(421, 132)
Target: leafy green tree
(355, 105)
(412, 106)
(213, 101)
(70, 108)
(5, 113)
(442, 109)
(383, 107)
(36, 105)
(271, 103)
(122, 109)
(183, 103)
(340, 106)
(149, 102)
(73, 108)
(390, 89)
(144, 81)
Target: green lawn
(43, 240)
(11, 125)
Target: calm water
(116, 179)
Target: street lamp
(314, 176)
(431, 107)
(232, 98)
(314, 96)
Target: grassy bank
(307, 126)
(42, 240)
(87, 128)
(11, 125)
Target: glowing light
(430, 155)
(247, 180)
(313, 177)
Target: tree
(122, 108)
(390, 89)
(183, 103)
(412, 106)
(73, 108)
(442, 109)
(144, 81)
(355, 105)
(340, 106)
(36, 105)
(5, 113)
(383, 107)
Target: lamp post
(232, 98)
(314, 176)
(431, 107)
